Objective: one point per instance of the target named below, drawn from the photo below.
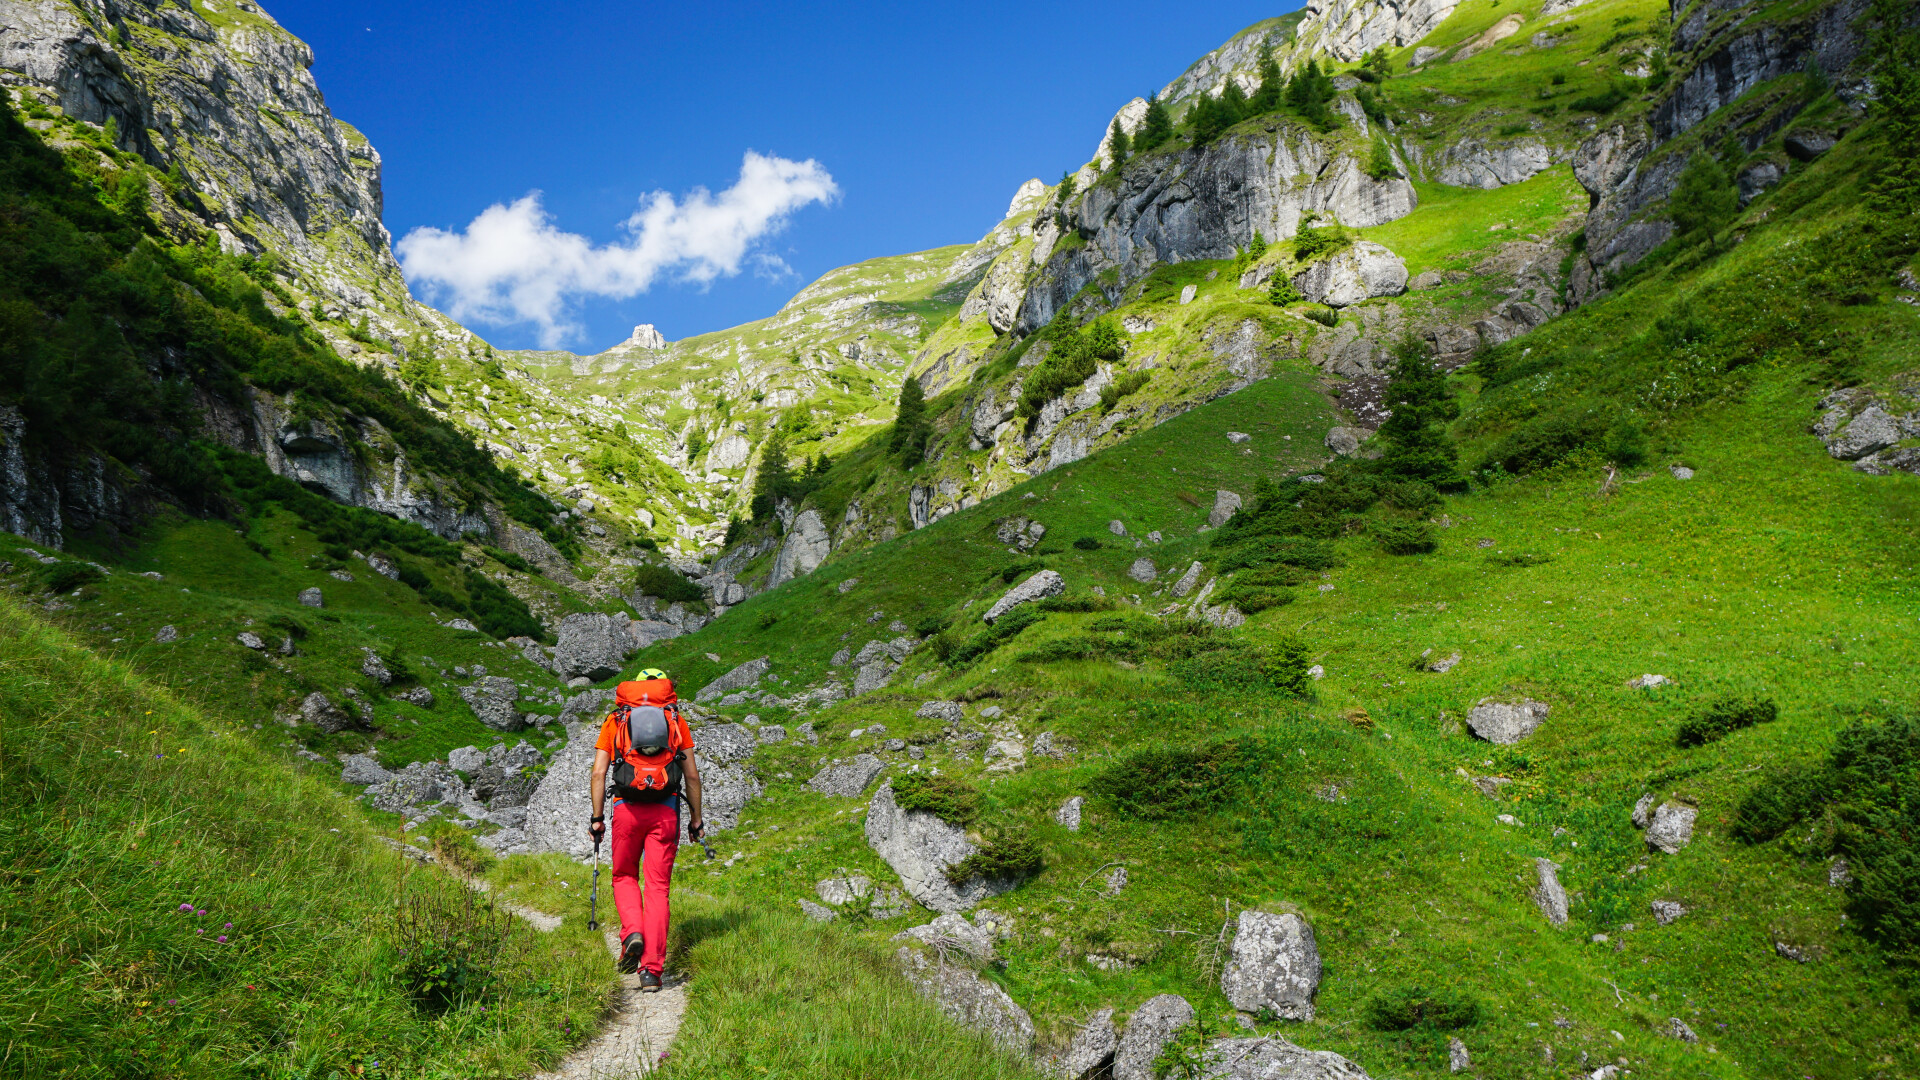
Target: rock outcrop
(1505, 723)
(1038, 587)
(921, 848)
(968, 999)
(494, 701)
(1359, 272)
(1151, 1027)
(1275, 1058)
(806, 547)
(1275, 964)
(592, 645)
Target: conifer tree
(910, 426)
(1118, 142)
(775, 479)
(1272, 84)
(1155, 128)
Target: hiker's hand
(596, 828)
(695, 826)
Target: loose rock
(968, 999)
(739, 678)
(1143, 570)
(375, 668)
(847, 779)
(1666, 911)
(920, 848)
(1275, 965)
(592, 645)
(1549, 896)
(1274, 1058)
(492, 700)
(1225, 505)
(1090, 1052)
(817, 913)
(1648, 682)
(1188, 580)
(251, 640)
(1457, 1058)
(361, 770)
(322, 713)
(1069, 813)
(1038, 587)
(1677, 1028)
(1151, 1027)
(1504, 723)
(1642, 809)
(1671, 828)
(167, 635)
(948, 711)
(312, 598)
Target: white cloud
(512, 265)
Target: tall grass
(175, 903)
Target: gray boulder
(419, 784)
(1642, 809)
(724, 744)
(1666, 911)
(725, 791)
(592, 645)
(1038, 587)
(251, 640)
(953, 933)
(847, 779)
(920, 848)
(948, 711)
(1188, 580)
(817, 913)
(1671, 827)
(1151, 1027)
(589, 707)
(493, 701)
(1225, 505)
(1360, 272)
(805, 548)
(360, 770)
(502, 788)
(1143, 570)
(375, 668)
(558, 810)
(1676, 1028)
(312, 598)
(317, 709)
(1091, 1051)
(418, 695)
(845, 889)
(1458, 1060)
(1274, 1058)
(167, 635)
(1345, 441)
(873, 675)
(1275, 965)
(467, 759)
(1505, 723)
(841, 658)
(1549, 896)
(770, 734)
(1871, 430)
(968, 999)
(739, 678)
(1069, 813)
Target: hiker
(647, 742)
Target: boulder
(1806, 145)
(1666, 911)
(1458, 1060)
(361, 770)
(739, 678)
(592, 645)
(1225, 505)
(1090, 1052)
(968, 999)
(493, 701)
(1143, 570)
(1188, 580)
(952, 932)
(817, 913)
(467, 759)
(1505, 723)
(558, 809)
(1117, 527)
(841, 658)
(1676, 1028)
(419, 784)
(374, 668)
(1238, 437)
(1069, 813)
(1671, 827)
(805, 548)
(873, 675)
(770, 734)
(1151, 1027)
(1642, 809)
(725, 791)
(1275, 965)
(1038, 587)
(1345, 441)
(948, 711)
(1274, 1058)
(847, 779)
(844, 889)
(320, 711)
(167, 635)
(251, 640)
(724, 744)
(418, 695)
(1549, 896)
(1360, 272)
(312, 598)
(920, 848)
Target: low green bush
(1405, 537)
(1003, 630)
(1009, 856)
(1283, 291)
(450, 944)
(1407, 1007)
(1325, 316)
(1725, 716)
(947, 798)
(1601, 103)
(1130, 383)
(1226, 669)
(1081, 603)
(652, 579)
(1086, 543)
(65, 577)
(1284, 663)
(510, 560)
(1164, 783)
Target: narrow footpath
(637, 1037)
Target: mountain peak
(645, 337)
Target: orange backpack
(647, 778)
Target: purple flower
(186, 907)
(202, 911)
(222, 939)
(173, 1001)
(229, 926)
(200, 930)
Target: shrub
(1704, 199)
(652, 579)
(1283, 292)
(449, 946)
(1519, 558)
(1251, 599)
(1219, 669)
(1315, 242)
(1546, 441)
(1725, 716)
(949, 799)
(1603, 103)
(1284, 664)
(1086, 543)
(1007, 574)
(1288, 550)
(1129, 383)
(1073, 360)
(1380, 164)
(1412, 496)
(1009, 856)
(65, 577)
(1082, 603)
(1162, 784)
(1405, 537)
(1004, 629)
(929, 625)
(510, 560)
(1407, 1007)
(1325, 316)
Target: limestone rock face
(558, 810)
(1275, 965)
(1038, 587)
(1225, 505)
(1506, 723)
(1151, 1027)
(806, 547)
(592, 645)
(317, 709)
(1360, 272)
(361, 770)
(968, 999)
(847, 779)
(493, 700)
(920, 847)
(1350, 29)
(646, 337)
(739, 678)
(1472, 163)
(1276, 1058)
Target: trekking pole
(700, 835)
(593, 897)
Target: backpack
(647, 778)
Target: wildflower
(186, 907)
(229, 926)
(222, 939)
(202, 911)
(199, 929)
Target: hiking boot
(631, 947)
(649, 982)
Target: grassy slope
(1775, 571)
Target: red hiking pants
(651, 830)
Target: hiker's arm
(693, 793)
(599, 786)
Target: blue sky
(924, 117)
